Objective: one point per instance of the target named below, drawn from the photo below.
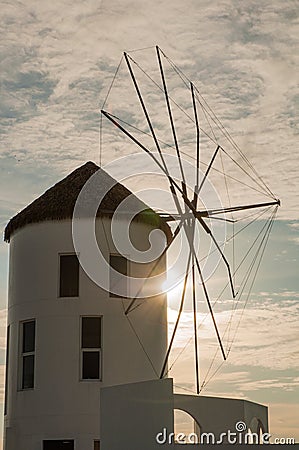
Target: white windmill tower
(68, 337)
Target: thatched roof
(58, 202)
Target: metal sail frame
(191, 215)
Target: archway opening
(255, 432)
(186, 429)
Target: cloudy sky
(57, 61)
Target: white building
(80, 372)
(67, 337)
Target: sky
(57, 61)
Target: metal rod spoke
(210, 308)
(145, 111)
(197, 137)
(190, 237)
(170, 113)
(178, 318)
(210, 212)
(195, 327)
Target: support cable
(141, 344)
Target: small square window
(69, 276)
(96, 445)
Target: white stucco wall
(140, 412)
(61, 406)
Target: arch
(186, 428)
(256, 429)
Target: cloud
(24, 94)
(253, 344)
(57, 71)
(284, 420)
(295, 240)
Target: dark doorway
(58, 445)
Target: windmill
(156, 110)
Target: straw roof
(58, 202)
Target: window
(69, 276)
(58, 445)
(96, 445)
(120, 264)
(91, 344)
(6, 370)
(27, 354)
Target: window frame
(91, 349)
(126, 257)
(23, 355)
(65, 297)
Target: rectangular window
(6, 370)
(58, 445)
(91, 348)
(27, 354)
(119, 264)
(96, 445)
(69, 276)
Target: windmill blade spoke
(192, 250)
(114, 119)
(178, 317)
(197, 144)
(166, 171)
(211, 212)
(170, 114)
(195, 327)
(210, 308)
(127, 57)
